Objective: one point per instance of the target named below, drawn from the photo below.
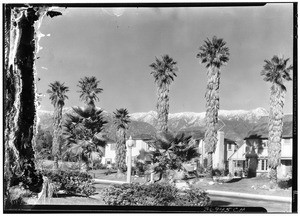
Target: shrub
(72, 182)
(156, 194)
(285, 184)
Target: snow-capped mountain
(178, 121)
(235, 123)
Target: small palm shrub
(72, 182)
(157, 194)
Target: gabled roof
(262, 131)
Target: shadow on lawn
(234, 180)
(219, 203)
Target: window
(108, 160)
(264, 164)
(229, 147)
(286, 162)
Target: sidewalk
(220, 193)
(249, 196)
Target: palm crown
(57, 93)
(121, 118)
(214, 53)
(89, 89)
(276, 71)
(164, 69)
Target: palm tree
(275, 72)
(171, 152)
(84, 135)
(163, 71)
(89, 90)
(214, 54)
(121, 121)
(58, 96)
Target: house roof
(261, 130)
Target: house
(256, 143)
(110, 148)
(224, 149)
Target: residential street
(270, 206)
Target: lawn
(257, 185)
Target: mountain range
(235, 123)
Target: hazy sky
(117, 46)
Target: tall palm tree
(57, 93)
(121, 121)
(163, 71)
(89, 90)
(276, 72)
(214, 54)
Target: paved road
(270, 206)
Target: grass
(257, 185)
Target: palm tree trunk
(209, 173)
(211, 117)
(121, 151)
(56, 134)
(163, 107)
(275, 131)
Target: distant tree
(276, 72)
(121, 121)
(57, 93)
(89, 90)
(163, 71)
(214, 54)
(84, 135)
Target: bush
(285, 184)
(156, 194)
(72, 182)
(98, 165)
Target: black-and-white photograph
(150, 107)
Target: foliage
(57, 93)
(163, 71)
(153, 195)
(89, 90)
(43, 141)
(214, 52)
(72, 182)
(220, 172)
(83, 134)
(170, 152)
(285, 184)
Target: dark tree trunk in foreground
(19, 100)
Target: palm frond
(214, 52)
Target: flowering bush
(156, 194)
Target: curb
(251, 196)
(108, 181)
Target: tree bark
(275, 130)
(57, 125)
(163, 107)
(211, 117)
(20, 98)
(121, 151)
